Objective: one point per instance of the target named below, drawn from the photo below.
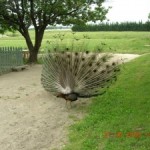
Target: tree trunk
(38, 40)
(34, 49)
(33, 57)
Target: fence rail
(10, 57)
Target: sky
(128, 10)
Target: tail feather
(84, 73)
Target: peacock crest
(71, 75)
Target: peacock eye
(76, 53)
(87, 52)
(116, 70)
(108, 71)
(67, 49)
(83, 59)
(113, 63)
(90, 64)
(103, 71)
(98, 64)
(107, 66)
(86, 78)
(108, 80)
(94, 70)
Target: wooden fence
(10, 57)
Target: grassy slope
(124, 42)
(125, 108)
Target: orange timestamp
(133, 134)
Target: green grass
(124, 109)
(120, 42)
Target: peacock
(72, 74)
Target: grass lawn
(119, 119)
(119, 42)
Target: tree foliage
(21, 14)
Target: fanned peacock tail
(78, 74)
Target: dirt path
(31, 118)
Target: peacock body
(71, 75)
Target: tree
(4, 27)
(21, 14)
(2, 30)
